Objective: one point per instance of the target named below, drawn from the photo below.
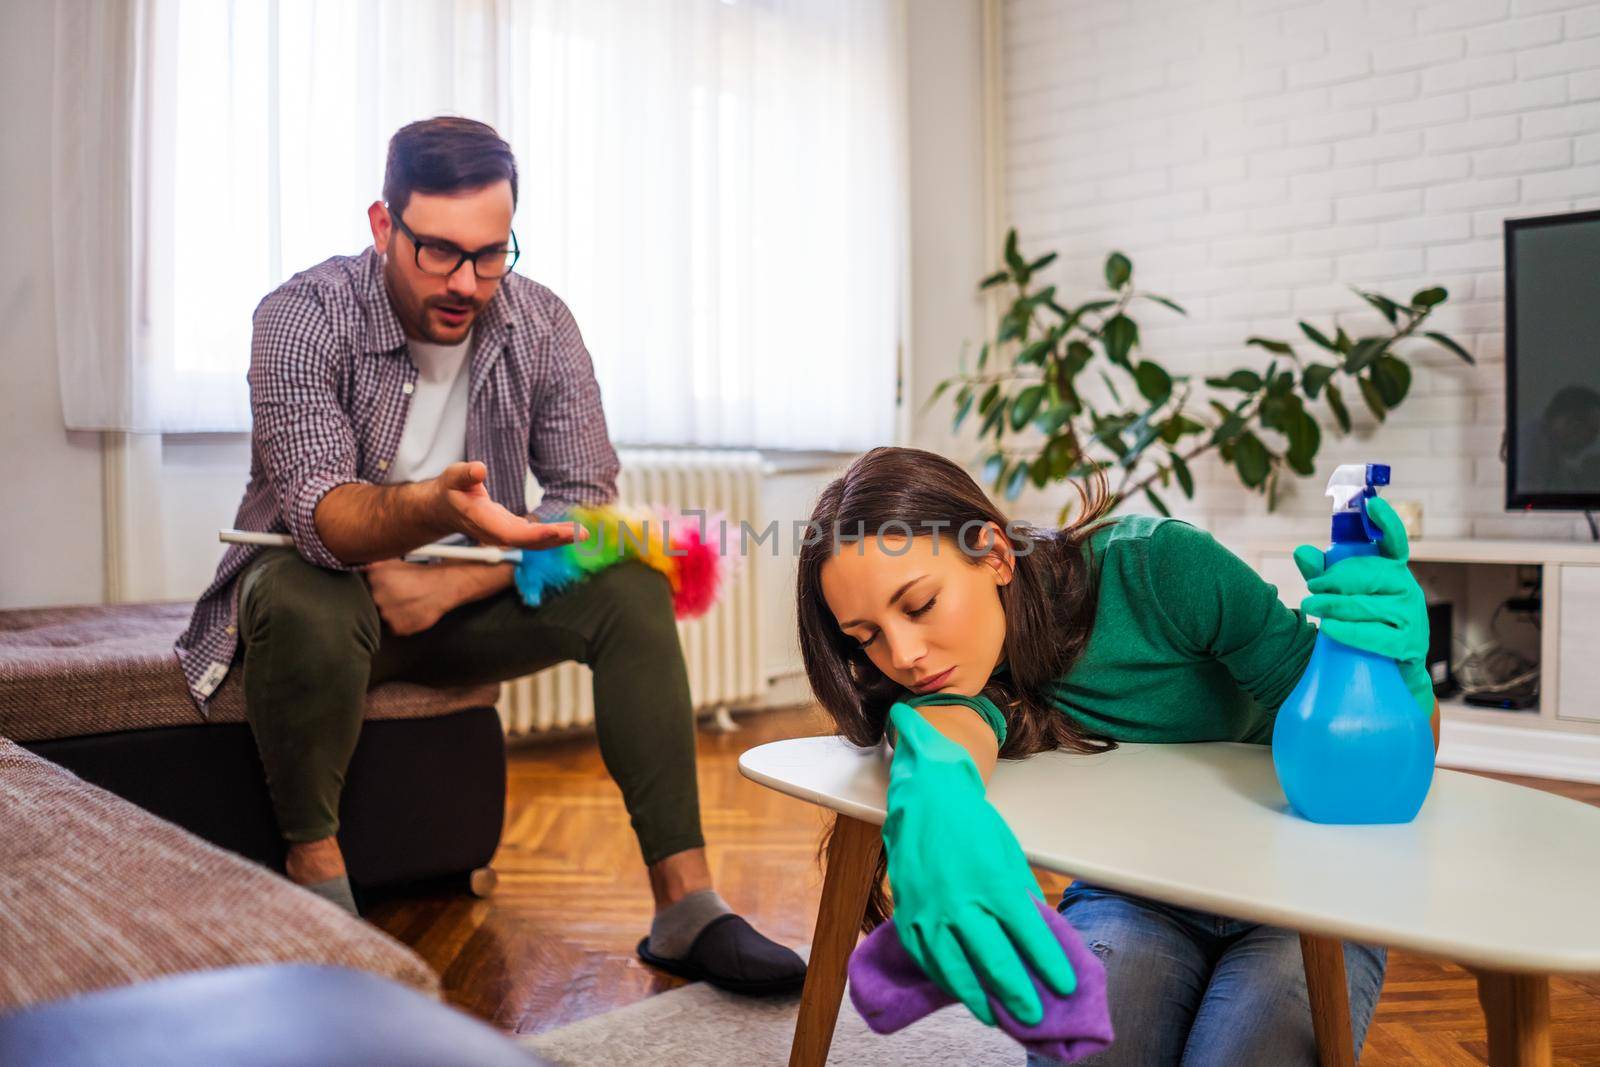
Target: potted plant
(1028, 375)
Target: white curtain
(716, 187)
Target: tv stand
(1560, 737)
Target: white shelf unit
(1561, 739)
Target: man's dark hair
(445, 155)
(1572, 401)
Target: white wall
(50, 513)
(944, 94)
(1255, 156)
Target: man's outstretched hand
(465, 507)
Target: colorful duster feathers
(657, 537)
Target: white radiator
(722, 647)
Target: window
(716, 189)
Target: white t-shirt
(435, 433)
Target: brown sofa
(97, 893)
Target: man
(401, 396)
(1560, 454)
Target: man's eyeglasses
(442, 259)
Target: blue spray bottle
(1349, 746)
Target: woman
(920, 600)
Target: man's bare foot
(678, 875)
(310, 862)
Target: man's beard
(470, 308)
(416, 317)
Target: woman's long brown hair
(1049, 604)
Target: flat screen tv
(1553, 362)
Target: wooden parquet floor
(555, 943)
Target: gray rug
(699, 1026)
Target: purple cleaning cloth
(891, 992)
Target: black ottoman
(97, 690)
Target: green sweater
(1189, 643)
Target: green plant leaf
(1078, 356)
(1119, 335)
(1318, 337)
(1246, 380)
(1427, 298)
(989, 396)
(999, 277)
(1272, 412)
(1068, 407)
(1393, 379)
(1014, 260)
(1011, 327)
(983, 356)
(1156, 502)
(1342, 342)
(1118, 270)
(1336, 405)
(1042, 262)
(1315, 377)
(1305, 437)
(1111, 385)
(1108, 431)
(1175, 426)
(1154, 382)
(993, 466)
(1035, 353)
(1069, 319)
(1228, 429)
(1386, 307)
(1366, 350)
(1062, 452)
(1165, 302)
(1016, 480)
(1039, 471)
(1452, 346)
(1271, 346)
(963, 405)
(1026, 405)
(1185, 476)
(1144, 434)
(1374, 399)
(1055, 414)
(1252, 459)
(995, 418)
(1043, 296)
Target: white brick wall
(1255, 157)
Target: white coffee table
(1502, 879)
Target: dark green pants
(313, 643)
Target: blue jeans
(1190, 988)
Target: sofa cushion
(71, 672)
(95, 892)
(273, 1016)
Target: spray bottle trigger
(1374, 531)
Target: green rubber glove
(1373, 603)
(962, 889)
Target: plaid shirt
(330, 381)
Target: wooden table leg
(1516, 1008)
(1330, 1000)
(852, 856)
